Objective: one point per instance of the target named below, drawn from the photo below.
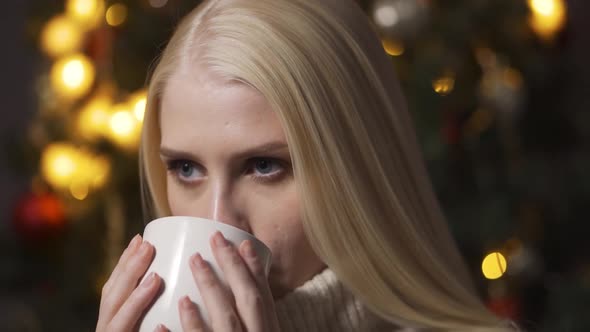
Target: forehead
(206, 109)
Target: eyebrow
(271, 147)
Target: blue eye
(265, 166)
(184, 170)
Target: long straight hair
(369, 210)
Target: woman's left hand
(247, 305)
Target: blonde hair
(368, 207)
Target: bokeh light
(385, 15)
(65, 166)
(87, 13)
(138, 101)
(72, 76)
(547, 17)
(93, 119)
(60, 36)
(124, 126)
(59, 163)
(493, 265)
(445, 84)
(116, 14)
(392, 47)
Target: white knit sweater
(322, 304)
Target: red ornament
(39, 216)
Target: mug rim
(211, 222)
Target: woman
(284, 118)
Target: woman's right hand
(123, 301)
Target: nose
(220, 206)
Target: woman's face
(228, 160)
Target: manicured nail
(149, 281)
(186, 303)
(219, 240)
(133, 243)
(249, 249)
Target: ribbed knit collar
(324, 304)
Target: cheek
(277, 222)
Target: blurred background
(500, 93)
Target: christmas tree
(492, 92)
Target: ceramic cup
(175, 240)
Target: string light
(60, 36)
(93, 119)
(116, 14)
(445, 84)
(493, 265)
(79, 190)
(393, 48)
(138, 101)
(386, 15)
(58, 164)
(67, 167)
(72, 76)
(547, 17)
(124, 127)
(86, 12)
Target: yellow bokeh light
(67, 167)
(60, 36)
(444, 84)
(72, 77)
(87, 12)
(116, 14)
(122, 123)
(124, 127)
(93, 119)
(548, 17)
(138, 101)
(493, 265)
(393, 48)
(99, 169)
(59, 163)
(79, 190)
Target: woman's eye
(184, 170)
(267, 168)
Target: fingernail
(198, 261)
(249, 249)
(145, 246)
(219, 240)
(134, 241)
(149, 281)
(186, 302)
(161, 327)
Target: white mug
(175, 240)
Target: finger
(256, 267)
(106, 313)
(191, 319)
(249, 302)
(130, 312)
(128, 252)
(217, 299)
(161, 328)
(127, 279)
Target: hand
(247, 305)
(122, 301)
